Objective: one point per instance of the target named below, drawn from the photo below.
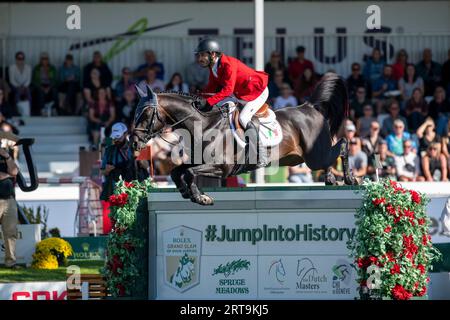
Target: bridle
(149, 132)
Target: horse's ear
(140, 91)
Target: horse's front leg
(177, 177)
(208, 170)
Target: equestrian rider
(231, 80)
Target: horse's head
(147, 120)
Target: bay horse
(308, 133)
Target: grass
(30, 274)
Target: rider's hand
(201, 104)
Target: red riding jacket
(234, 77)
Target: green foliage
(37, 215)
(392, 237)
(121, 269)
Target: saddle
(270, 133)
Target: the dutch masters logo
(182, 250)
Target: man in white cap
(117, 160)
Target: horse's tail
(331, 99)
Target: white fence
(327, 51)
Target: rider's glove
(201, 104)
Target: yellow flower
(46, 251)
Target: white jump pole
(259, 57)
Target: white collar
(214, 68)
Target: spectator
(357, 160)
(69, 88)
(20, 78)
(105, 73)
(150, 62)
(275, 64)
(395, 140)
(349, 130)
(384, 85)
(371, 142)
(357, 104)
(300, 174)
(429, 71)
(394, 114)
(407, 164)
(373, 68)
(364, 123)
(434, 163)
(127, 107)
(94, 86)
(275, 85)
(8, 144)
(5, 108)
(446, 143)
(101, 115)
(44, 81)
(196, 76)
(427, 135)
(176, 83)
(304, 86)
(298, 65)
(125, 83)
(386, 162)
(440, 110)
(118, 162)
(154, 83)
(399, 67)
(416, 110)
(409, 82)
(286, 99)
(446, 74)
(4, 86)
(8, 207)
(355, 81)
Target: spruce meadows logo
(232, 267)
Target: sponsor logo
(309, 280)
(228, 285)
(277, 270)
(182, 250)
(342, 272)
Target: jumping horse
(308, 132)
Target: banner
(33, 291)
(87, 248)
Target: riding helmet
(208, 45)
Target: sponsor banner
(87, 248)
(28, 235)
(33, 291)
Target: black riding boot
(251, 148)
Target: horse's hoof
(351, 181)
(330, 180)
(204, 200)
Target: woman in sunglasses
(434, 164)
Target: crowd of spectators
(399, 113)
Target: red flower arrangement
(392, 234)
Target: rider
(231, 80)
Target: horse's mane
(185, 95)
(189, 98)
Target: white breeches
(251, 107)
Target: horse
(308, 132)
(184, 273)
